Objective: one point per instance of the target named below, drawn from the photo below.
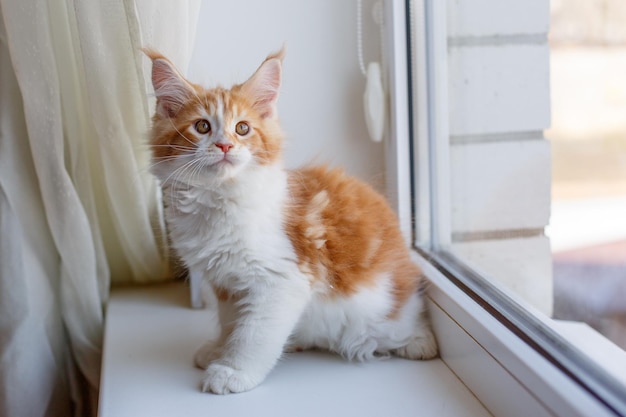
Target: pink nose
(225, 147)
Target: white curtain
(78, 208)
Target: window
(481, 171)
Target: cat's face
(203, 136)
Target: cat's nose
(225, 147)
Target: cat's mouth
(226, 160)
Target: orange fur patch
(346, 235)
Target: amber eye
(242, 128)
(203, 126)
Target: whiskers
(176, 147)
(183, 178)
(183, 151)
(180, 167)
(171, 151)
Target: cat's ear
(170, 87)
(264, 84)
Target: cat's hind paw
(422, 347)
(222, 379)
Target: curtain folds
(78, 207)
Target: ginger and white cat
(309, 258)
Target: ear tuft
(279, 55)
(264, 85)
(171, 89)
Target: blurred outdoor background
(588, 137)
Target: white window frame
(508, 374)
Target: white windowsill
(151, 335)
(510, 377)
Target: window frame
(486, 338)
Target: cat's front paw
(207, 353)
(222, 379)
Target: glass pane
(498, 105)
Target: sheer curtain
(78, 208)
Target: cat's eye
(203, 126)
(242, 128)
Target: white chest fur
(233, 230)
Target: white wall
(321, 100)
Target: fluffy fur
(302, 259)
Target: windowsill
(601, 350)
(151, 335)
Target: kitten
(310, 258)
